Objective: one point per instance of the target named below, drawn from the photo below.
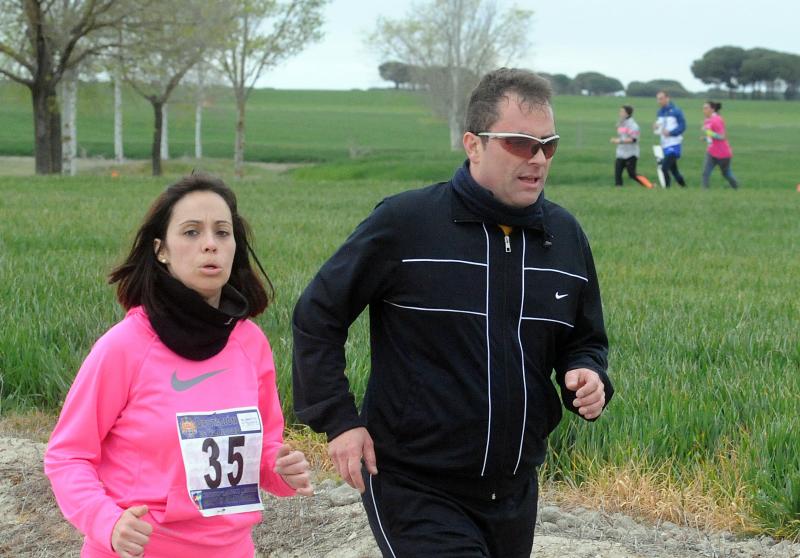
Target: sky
(626, 39)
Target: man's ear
(473, 146)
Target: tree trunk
(156, 147)
(456, 142)
(164, 133)
(198, 113)
(238, 151)
(453, 113)
(69, 130)
(46, 115)
(119, 155)
(47, 128)
(198, 130)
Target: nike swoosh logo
(560, 296)
(183, 385)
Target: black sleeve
(352, 278)
(587, 345)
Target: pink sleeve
(270, 407)
(95, 400)
(717, 126)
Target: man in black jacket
(478, 290)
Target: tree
(595, 83)
(789, 72)
(720, 66)
(562, 84)
(264, 33)
(761, 67)
(650, 88)
(173, 37)
(69, 126)
(40, 40)
(198, 78)
(397, 72)
(68, 95)
(453, 43)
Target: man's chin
(521, 202)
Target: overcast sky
(626, 39)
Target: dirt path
(333, 525)
(25, 166)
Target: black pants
(669, 164)
(412, 520)
(630, 165)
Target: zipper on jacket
(508, 245)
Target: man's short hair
(483, 110)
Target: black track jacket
(467, 326)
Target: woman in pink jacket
(719, 150)
(173, 421)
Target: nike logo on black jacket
(466, 331)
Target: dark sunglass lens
(549, 148)
(521, 147)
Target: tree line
(152, 46)
(411, 77)
(767, 74)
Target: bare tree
(69, 122)
(40, 40)
(68, 95)
(119, 151)
(452, 43)
(199, 101)
(174, 36)
(203, 75)
(266, 32)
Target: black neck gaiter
(187, 324)
(483, 204)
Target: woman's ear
(156, 248)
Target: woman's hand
(130, 533)
(292, 466)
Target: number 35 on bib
(221, 453)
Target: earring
(162, 259)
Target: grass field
(391, 135)
(699, 287)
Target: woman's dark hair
(628, 110)
(136, 276)
(716, 107)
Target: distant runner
(669, 126)
(627, 140)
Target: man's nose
(539, 157)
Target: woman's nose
(209, 243)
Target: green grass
(281, 125)
(390, 135)
(699, 287)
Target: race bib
(222, 458)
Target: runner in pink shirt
(173, 422)
(719, 150)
